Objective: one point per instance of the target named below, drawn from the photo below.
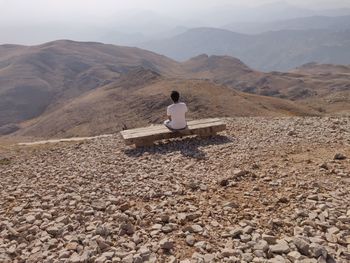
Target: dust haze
(137, 21)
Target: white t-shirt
(177, 112)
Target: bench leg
(207, 135)
(144, 143)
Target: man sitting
(176, 113)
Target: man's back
(177, 112)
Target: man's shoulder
(177, 105)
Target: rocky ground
(266, 190)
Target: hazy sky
(126, 22)
(49, 10)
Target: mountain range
(318, 22)
(135, 26)
(274, 50)
(66, 88)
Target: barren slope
(142, 100)
(67, 88)
(38, 78)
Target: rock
(317, 250)
(231, 205)
(271, 240)
(346, 255)
(292, 133)
(245, 238)
(128, 259)
(75, 258)
(194, 185)
(102, 231)
(339, 156)
(208, 258)
(165, 218)
(234, 233)
(30, 219)
(262, 245)
(239, 173)
(324, 166)
(64, 254)
(283, 200)
(126, 229)
(247, 257)
(166, 244)
(248, 230)
(100, 259)
(190, 240)
(294, 256)
(167, 228)
(227, 252)
(302, 245)
(259, 253)
(194, 229)
(224, 182)
(277, 259)
(125, 206)
(145, 253)
(102, 244)
(13, 232)
(54, 231)
(4, 161)
(72, 246)
(280, 248)
(12, 250)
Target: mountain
(67, 88)
(37, 78)
(277, 50)
(142, 97)
(221, 15)
(338, 23)
(310, 82)
(134, 26)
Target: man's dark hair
(175, 96)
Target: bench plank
(147, 135)
(162, 130)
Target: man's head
(175, 96)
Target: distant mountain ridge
(317, 22)
(277, 50)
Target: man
(176, 113)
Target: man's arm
(168, 114)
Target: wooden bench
(146, 136)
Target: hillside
(275, 50)
(37, 78)
(139, 103)
(67, 88)
(265, 190)
(320, 83)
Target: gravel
(265, 190)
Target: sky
(133, 21)
(20, 11)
